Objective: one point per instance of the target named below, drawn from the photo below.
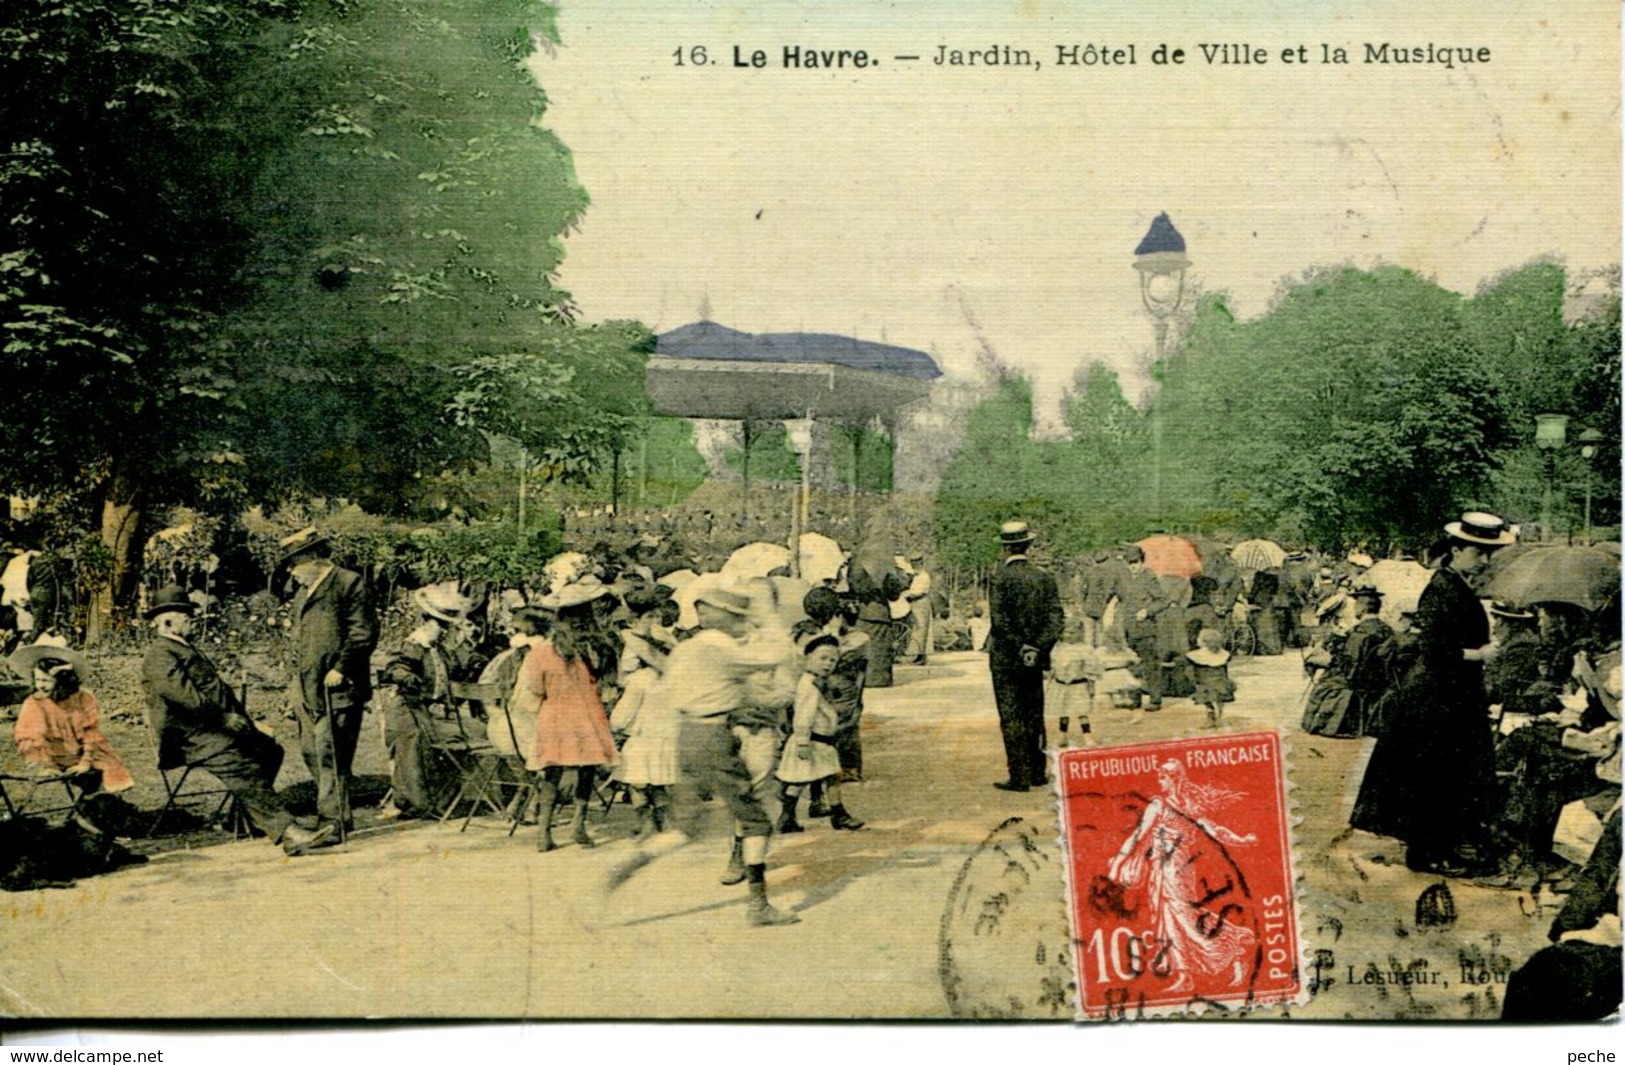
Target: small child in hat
(1210, 664)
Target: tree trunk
(121, 521)
(524, 477)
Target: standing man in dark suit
(1143, 603)
(1025, 606)
(334, 632)
(197, 720)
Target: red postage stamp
(1179, 875)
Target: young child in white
(1210, 662)
(809, 754)
(649, 762)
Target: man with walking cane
(334, 632)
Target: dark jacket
(1103, 581)
(334, 627)
(1516, 679)
(193, 714)
(1431, 778)
(1024, 606)
(1144, 591)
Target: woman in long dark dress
(1431, 781)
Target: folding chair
(34, 783)
(486, 775)
(469, 755)
(608, 791)
(226, 813)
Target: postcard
(702, 510)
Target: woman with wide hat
(59, 726)
(423, 713)
(1357, 663)
(1431, 781)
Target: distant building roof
(708, 340)
(1162, 236)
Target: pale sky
(906, 201)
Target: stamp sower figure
(1191, 935)
(334, 633)
(1027, 621)
(198, 720)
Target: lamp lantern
(1161, 261)
(1551, 431)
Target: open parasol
(1171, 556)
(1215, 558)
(1258, 554)
(756, 560)
(1582, 576)
(566, 568)
(821, 558)
(1400, 582)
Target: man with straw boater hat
(334, 632)
(197, 720)
(1025, 607)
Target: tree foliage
(873, 470)
(121, 227)
(1364, 406)
(1358, 407)
(257, 248)
(1075, 493)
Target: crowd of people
(599, 678)
(623, 671)
(1492, 719)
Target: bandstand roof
(709, 371)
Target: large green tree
(122, 218)
(1359, 407)
(1362, 406)
(1084, 493)
(409, 232)
(251, 248)
(1552, 362)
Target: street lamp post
(1588, 451)
(1551, 431)
(1160, 259)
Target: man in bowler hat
(1025, 607)
(198, 720)
(334, 632)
